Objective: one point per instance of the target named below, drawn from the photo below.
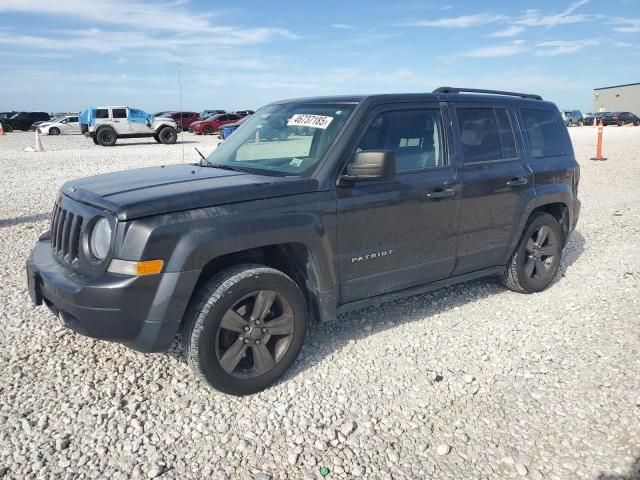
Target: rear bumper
(141, 312)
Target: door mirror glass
(371, 165)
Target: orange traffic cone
(599, 143)
(39, 147)
(2, 129)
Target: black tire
(157, 138)
(95, 140)
(580, 123)
(54, 131)
(168, 135)
(533, 267)
(207, 131)
(106, 136)
(206, 342)
(621, 123)
(8, 128)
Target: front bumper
(141, 312)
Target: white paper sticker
(295, 162)
(307, 120)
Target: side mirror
(370, 165)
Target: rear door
(399, 233)
(496, 183)
(120, 120)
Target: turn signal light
(138, 269)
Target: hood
(153, 191)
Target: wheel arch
(295, 259)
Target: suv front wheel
(245, 328)
(535, 262)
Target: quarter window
(545, 139)
(415, 137)
(486, 134)
(119, 113)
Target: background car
(572, 117)
(23, 120)
(212, 124)
(620, 118)
(244, 113)
(161, 113)
(589, 118)
(208, 113)
(229, 128)
(41, 123)
(7, 114)
(182, 119)
(65, 125)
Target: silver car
(64, 126)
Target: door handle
(514, 182)
(441, 193)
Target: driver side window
(414, 136)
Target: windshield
(19, 114)
(284, 140)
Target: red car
(212, 124)
(183, 119)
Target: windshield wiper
(229, 167)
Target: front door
(496, 184)
(399, 233)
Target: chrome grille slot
(59, 230)
(74, 244)
(54, 225)
(66, 233)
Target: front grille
(66, 228)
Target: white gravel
(511, 386)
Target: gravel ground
(467, 382)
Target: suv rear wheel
(535, 262)
(245, 328)
(168, 135)
(106, 136)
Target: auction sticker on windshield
(308, 120)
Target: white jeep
(106, 124)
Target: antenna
(180, 102)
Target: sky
(66, 55)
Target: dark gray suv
(381, 197)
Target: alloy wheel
(254, 334)
(541, 251)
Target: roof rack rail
(492, 92)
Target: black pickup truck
(361, 200)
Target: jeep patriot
(363, 199)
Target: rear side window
(415, 137)
(102, 113)
(486, 134)
(119, 113)
(543, 132)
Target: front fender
(189, 240)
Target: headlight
(100, 239)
